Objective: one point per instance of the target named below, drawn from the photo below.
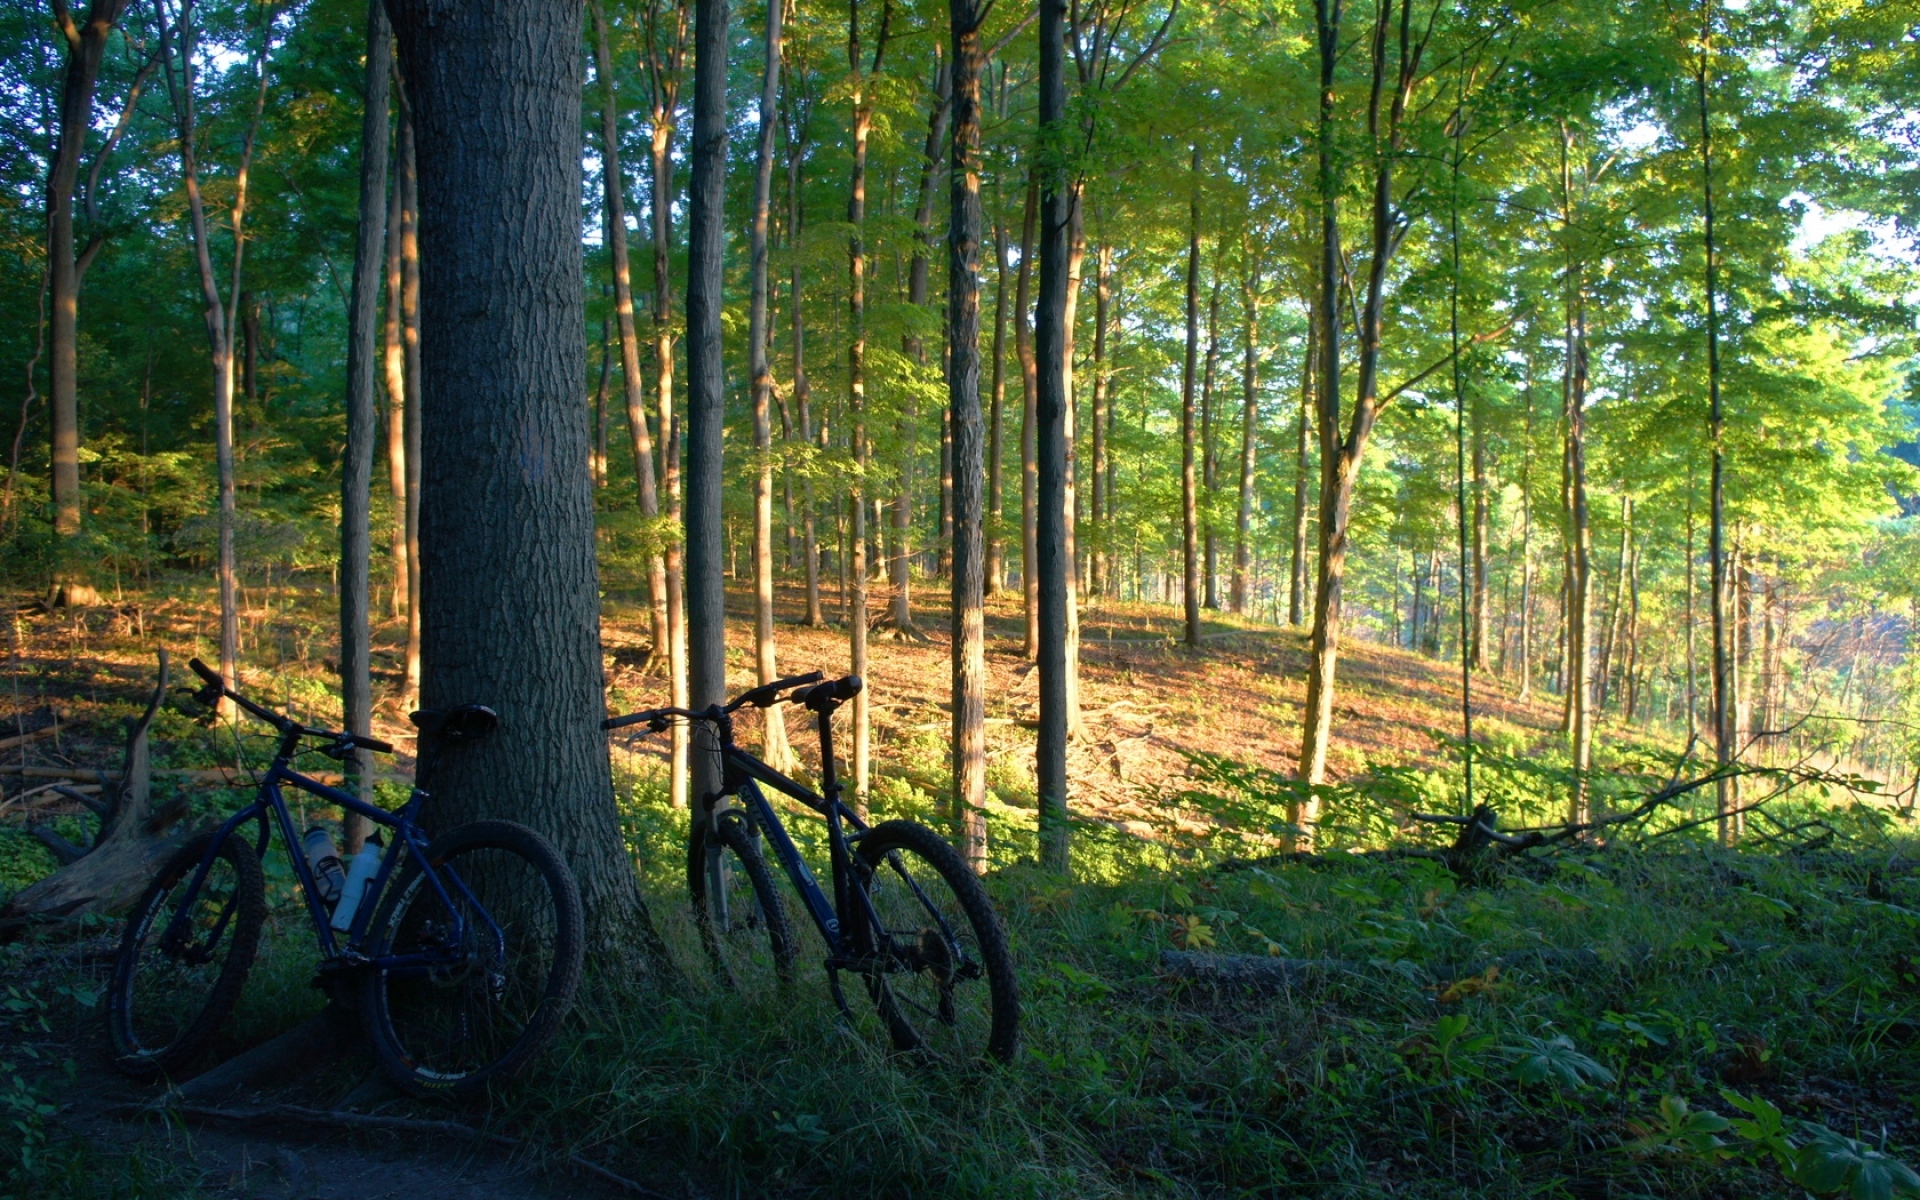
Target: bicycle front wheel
(743, 923)
(184, 958)
(489, 959)
(942, 977)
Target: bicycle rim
(478, 998)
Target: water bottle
(324, 861)
(359, 876)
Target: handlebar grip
(639, 718)
(371, 743)
(207, 673)
(824, 695)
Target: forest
(1380, 534)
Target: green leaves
(1556, 1060)
(1832, 1163)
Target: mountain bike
(464, 949)
(906, 916)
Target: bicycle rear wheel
(741, 917)
(499, 960)
(943, 979)
(171, 995)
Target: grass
(1589, 1025)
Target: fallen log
(134, 841)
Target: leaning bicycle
(906, 917)
(464, 950)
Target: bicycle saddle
(460, 723)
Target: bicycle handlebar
(217, 687)
(764, 696)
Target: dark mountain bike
(465, 950)
(906, 915)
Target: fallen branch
(294, 1114)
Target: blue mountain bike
(906, 916)
(464, 952)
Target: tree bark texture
(356, 465)
(512, 616)
(1189, 506)
(706, 379)
(633, 388)
(969, 466)
(996, 441)
(410, 334)
(86, 44)
(1053, 396)
(760, 372)
(1029, 421)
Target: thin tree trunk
(666, 46)
(507, 523)
(802, 389)
(760, 371)
(1209, 456)
(1249, 419)
(706, 369)
(1526, 546)
(1723, 683)
(356, 465)
(396, 380)
(1302, 476)
(410, 335)
(219, 316)
(1189, 507)
(862, 103)
(633, 389)
(1098, 584)
(1029, 420)
(1482, 595)
(1579, 533)
(1052, 424)
(996, 495)
(1341, 456)
(963, 393)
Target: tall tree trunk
(1209, 453)
(761, 383)
(633, 388)
(996, 442)
(666, 46)
(410, 335)
(1341, 456)
(899, 564)
(963, 398)
(1526, 546)
(356, 465)
(507, 524)
(862, 103)
(1482, 595)
(802, 390)
(1693, 620)
(1052, 425)
(1189, 506)
(395, 362)
(1098, 584)
(220, 316)
(1302, 477)
(1029, 419)
(86, 44)
(1579, 531)
(1249, 422)
(1724, 748)
(706, 369)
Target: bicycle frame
(270, 799)
(742, 774)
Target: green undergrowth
(1668, 1021)
(1650, 1016)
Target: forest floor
(1560, 1031)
